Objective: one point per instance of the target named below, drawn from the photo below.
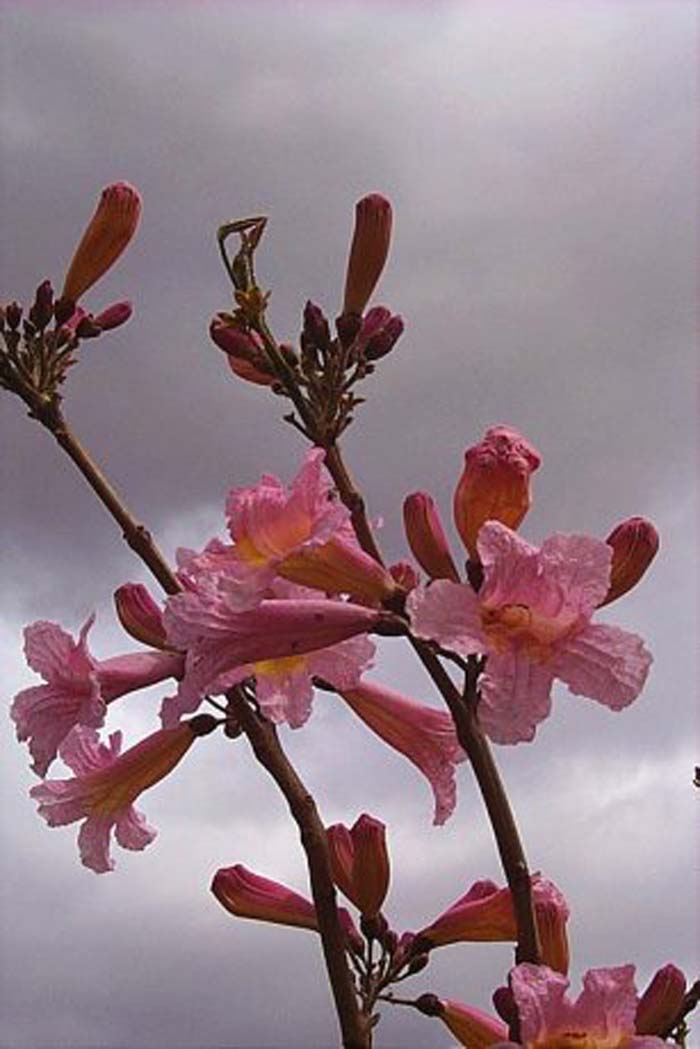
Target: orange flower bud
(107, 235)
(634, 544)
(661, 1002)
(426, 537)
(360, 863)
(473, 1028)
(368, 251)
(495, 483)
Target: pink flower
(106, 783)
(368, 251)
(78, 687)
(602, 1017)
(422, 734)
(532, 618)
(108, 233)
(248, 895)
(634, 543)
(486, 914)
(302, 535)
(282, 643)
(495, 484)
(360, 863)
(426, 537)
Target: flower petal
(424, 735)
(447, 612)
(563, 581)
(93, 843)
(132, 831)
(604, 663)
(515, 696)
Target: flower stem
(268, 750)
(262, 737)
(472, 740)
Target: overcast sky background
(542, 161)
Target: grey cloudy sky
(542, 162)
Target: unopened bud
(375, 927)
(418, 963)
(504, 1004)
(244, 350)
(348, 325)
(385, 340)
(63, 310)
(105, 238)
(316, 330)
(140, 615)
(13, 315)
(495, 483)
(41, 312)
(114, 316)
(634, 544)
(368, 251)
(429, 1005)
(661, 1002)
(202, 724)
(403, 573)
(426, 537)
(390, 941)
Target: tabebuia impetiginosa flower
(532, 618)
(107, 782)
(78, 687)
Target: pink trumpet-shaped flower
(360, 863)
(301, 534)
(495, 483)
(661, 1002)
(485, 914)
(107, 235)
(78, 686)
(248, 895)
(368, 252)
(634, 543)
(531, 617)
(106, 783)
(426, 537)
(283, 643)
(602, 1017)
(422, 734)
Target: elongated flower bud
(634, 544)
(360, 863)
(495, 483)
(248, 895)
(114, 316)
(244, 351)
(139, 614)
(661, 1002)
(426, 537)
(108, 233)
(368, 251)
(474, 1028)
